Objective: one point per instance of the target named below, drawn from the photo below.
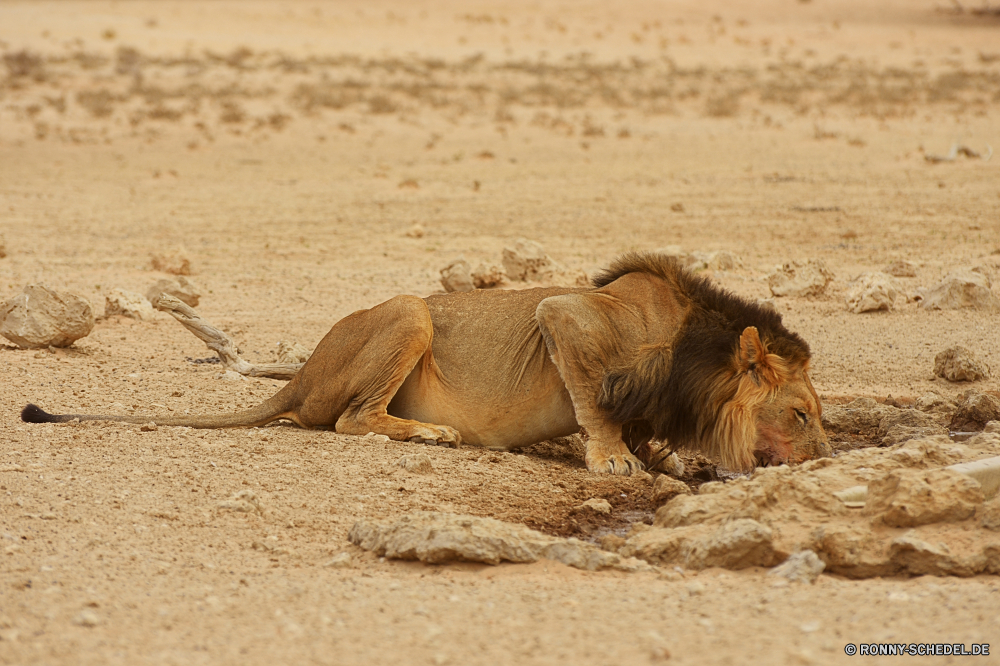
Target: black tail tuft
(35, 414)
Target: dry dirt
(287, 149)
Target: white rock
(457, 276)
(958, 364)
(87, 618)
(488, 275)
(595, 505)
(245, 501)
(720, 260)
(418, 463)
(441, 537)
(871, 292)
(127, 304)
(961, 289)
(666, 487)
(528, 262)
(341, 561)
(803, 567)
(796, 278)
(901, 269)
(723, 260)
(180, 288)
(292, 352)
(39, 317)
(736, 544)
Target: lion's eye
(802, 416)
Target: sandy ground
(286, 149)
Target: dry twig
(221, 343)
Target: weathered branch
(221, 343)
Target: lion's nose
(825, 450)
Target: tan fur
(504, 369)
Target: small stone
(148, 427)
(244, 501)
(486, 276)
(340, 561)
(661, 653)
(595, 505)
(860, 416)
(232, 376)
(803, 567)
(723, 260)
(418, 463)
(292, 352)
(934, 403)
(975, 411)
(736, 544)
(809, 278)
(127, 304)
(180, 288)
(457, 276)
(527, 262)
(39, 317)
(958, 364)
(642, 475)
(961, 289)
(416, 231)
(171, 263)
(666, 488)
(904, 269)
(872, 292)
(86, 618)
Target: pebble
(87, 618)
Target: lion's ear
(753, 355)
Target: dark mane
(680, 386)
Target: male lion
(651, 351)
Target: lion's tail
(276, 407)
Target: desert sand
(288, 151)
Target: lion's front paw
(437, 436)
(622, 464)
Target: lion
(649, 352)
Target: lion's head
(773, 416)
(733, 383)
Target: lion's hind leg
(362, 378)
